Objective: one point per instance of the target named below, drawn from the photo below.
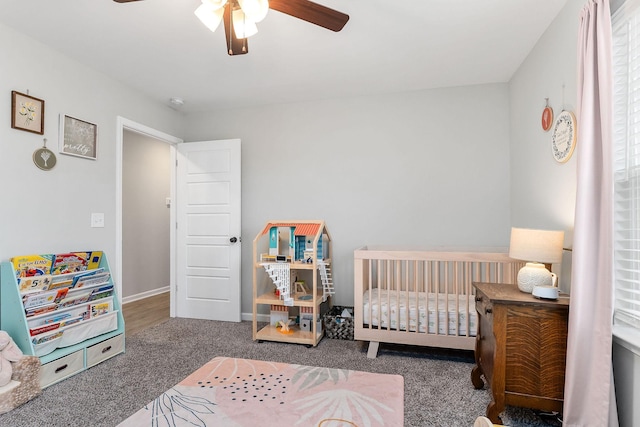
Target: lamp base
(533, 274)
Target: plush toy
(9, 352)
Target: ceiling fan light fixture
(215, 4)
(243, 26)
(210, 17)
(256, 10)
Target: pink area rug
(241, 392)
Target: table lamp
(540, 249)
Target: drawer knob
(478, 299)
(61, 368)
(107, 348)
(488, 310)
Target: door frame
(123, 124)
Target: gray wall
(543, 191)
(626, 366)
(50, 211)
(423, 168)
(146, 175)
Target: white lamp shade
(542, 246)
(209, 16)
(214, 4)
(242, 25)
(256, 10)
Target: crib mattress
(421, 319)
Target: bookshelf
(86, 340)
(304, 252)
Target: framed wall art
(27, 113)
(78, 137)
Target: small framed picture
(27, 113)
(78, 137)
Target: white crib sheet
(394, 302)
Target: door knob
(233, 239)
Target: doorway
(140, 231)
(146, 187)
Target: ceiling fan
(240, 16)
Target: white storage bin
(104, 350)
(62, 368)
(89, 329)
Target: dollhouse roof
(301, 228)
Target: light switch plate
(97, 220)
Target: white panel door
(208, 230)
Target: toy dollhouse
(292, 270)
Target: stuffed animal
(9, 352)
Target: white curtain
(589, 385)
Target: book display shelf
(62, 308)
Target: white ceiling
(160, 48)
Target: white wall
(44, 212)
(422, 168)
(146, 176)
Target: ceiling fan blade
(235, 46)
(311, 12)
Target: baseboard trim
(249, 317)
(142, 295)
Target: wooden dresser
(520, 348)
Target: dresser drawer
(62, 368)
(104, 350)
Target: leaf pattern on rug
(172, 407)
(314, 376)
(340, 404)
(232, 366)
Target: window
(626, 70)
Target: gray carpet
(438, 390)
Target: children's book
(43, 298)
(70, 263)
(86, 281)
(42, 329)
(80, 276)
(35, 283)
(45, 338)
(61, 282)
(100, 308)
(71, 321)
(32, 265)
(93, 258)
(41, 309)
(75, 299)
(101, 292)
(56, 318)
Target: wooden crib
(422, 297)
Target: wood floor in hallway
(144, 313)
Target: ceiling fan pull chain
(230, 29)
(244, 24)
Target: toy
(284, 327)
(9, 352)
